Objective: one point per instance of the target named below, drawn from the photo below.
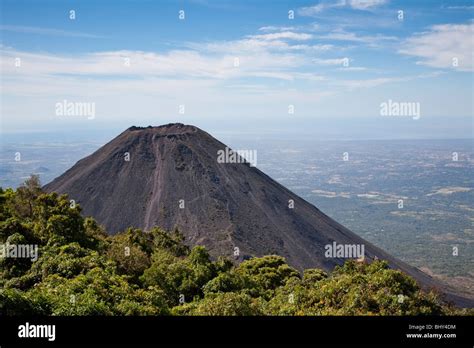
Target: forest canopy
(80, 270)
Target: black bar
(242, 330)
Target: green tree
(128, 253)
(83, 271)
(228, 304)
(22, 203)
(97, 292)
(356, 289)
(267, 273)
(180, 276)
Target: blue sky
(335, 62)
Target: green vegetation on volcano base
(83, 271)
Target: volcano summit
(170, 176)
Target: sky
(314, 67)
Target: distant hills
(171, 176)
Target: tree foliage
(80, 270)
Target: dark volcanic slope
(225, 205)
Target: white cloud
(343, 63)
(275, 28)
(354, 4)
(465, 7)
(282, 35)
(376, 82)
(47, 31)
(342, 35)
(325, 47)
(353, 68)
(368, 83)
(447, 46)
(366, 4)
(202, 75)
(323, 5)
(217, 63)
(282, 45)
(334, 61)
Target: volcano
(170, 176)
